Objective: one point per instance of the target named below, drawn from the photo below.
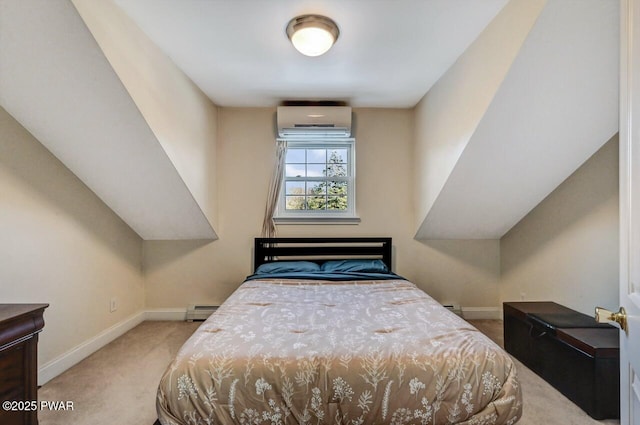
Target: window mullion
(342, 186)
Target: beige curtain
(268, 225)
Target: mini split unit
(300, 122)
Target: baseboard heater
(454, 308)
(200, 312)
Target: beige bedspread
(320, 352)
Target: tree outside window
(318, 179)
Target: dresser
(19, 328)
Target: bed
(336, 340)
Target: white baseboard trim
(55, 367)
(169, 314)
(478, 313)
(63, 362)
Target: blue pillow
(363, 266)
(288, 267)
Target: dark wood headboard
(320, 249)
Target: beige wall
(180, 273)
(64, 247)
(449, 113)
(181, 116)
(566, 249)
(61, 245)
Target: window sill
(316, 220)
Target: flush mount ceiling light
(312, 35)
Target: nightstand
(19, 328)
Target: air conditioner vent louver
(304, 122)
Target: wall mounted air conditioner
(303, 122)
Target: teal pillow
(288, 267)
(362, 266)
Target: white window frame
(348, 216)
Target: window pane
(337, 188)
(316, 188)
(294, 188)
(316, 170)
(338, 156)
(295, 155)
(317, 202)
(295, 202)
(337, 203)
(294, 170)
(317, 179)
(316, 156)
(339, 170)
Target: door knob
(603, 315)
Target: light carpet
(117, 384)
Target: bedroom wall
(180, 273)
(566, 249)
(61, 245)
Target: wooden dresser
(19, 328)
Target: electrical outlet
(113, 305)
(523, 296)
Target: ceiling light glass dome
(312, 35)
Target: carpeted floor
(117, 384)
(542, 403)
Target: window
(318, 181)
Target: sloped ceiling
(556, 107)
(57, 83)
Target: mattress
(294, 351)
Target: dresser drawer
(19, 328)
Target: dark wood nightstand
(19, 328)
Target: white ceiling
(389, 53)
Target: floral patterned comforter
(322, 352)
